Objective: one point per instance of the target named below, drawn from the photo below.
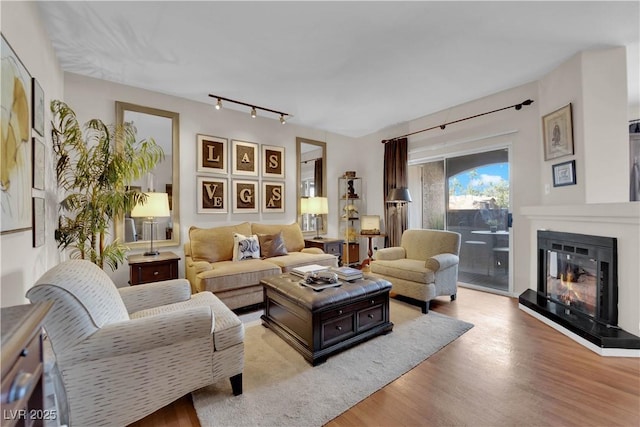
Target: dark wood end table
(152, 268)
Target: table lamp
(155, 206)
(317, 206)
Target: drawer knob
(339, 311)
(370, 316)
(339, 328)
(373, 302)
(24, 352)
(155, 273)
(20, 386)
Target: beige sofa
(423, 267)
(210, 267)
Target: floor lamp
(155, 206)
(399, 196)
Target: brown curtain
(395, 176)
(317, 177)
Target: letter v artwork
(212, 195)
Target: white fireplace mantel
(602, 213)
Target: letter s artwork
(273, 197)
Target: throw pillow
(245, 247)
(272, 245)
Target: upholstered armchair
(423, 267)
(122, 354)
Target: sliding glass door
(469, 194)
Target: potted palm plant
(94, 169)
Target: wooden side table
(370, 247)
(147, 269)
(328, 245)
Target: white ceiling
(347, 67)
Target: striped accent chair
(123, 353)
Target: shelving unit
(350, 209)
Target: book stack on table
(347, 273)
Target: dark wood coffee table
(320, 323)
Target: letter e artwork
(212, 194)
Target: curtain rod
(442, 126)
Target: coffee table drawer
(370, 317)
(337, 329)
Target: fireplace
(578, 287)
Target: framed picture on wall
(557, 128)
(38, 108)
(38, 163)
(212, 154)
(564, 173)
(272, 196)
(245, 196)
(272, 161)
(38, 221)
(16, 151)
(212, 195)
(245, 158)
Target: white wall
(21, 264)
(92, 98)
(595, 83)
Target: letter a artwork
(246, 161)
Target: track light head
(518, 106)
(443, 126)
(282, 120)
(219, 104)
(253, 112)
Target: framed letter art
(557, 131)
(245, 196)
(245, 158)
(212, 195)
(272, 196)
(272, 161)
(212, 154)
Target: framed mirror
(164, 127)
(311, 158)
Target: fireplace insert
(579, 273)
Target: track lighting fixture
(444, 125)
(254, 108)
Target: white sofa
(124, 353)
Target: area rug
(282, 389)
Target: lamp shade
(304, 205)
(156, 205)
(317, 205)
(399, 195)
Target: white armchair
(125, 353)
(423, 267)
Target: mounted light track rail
(218, 106)
(444, 125)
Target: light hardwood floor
(509, 370)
